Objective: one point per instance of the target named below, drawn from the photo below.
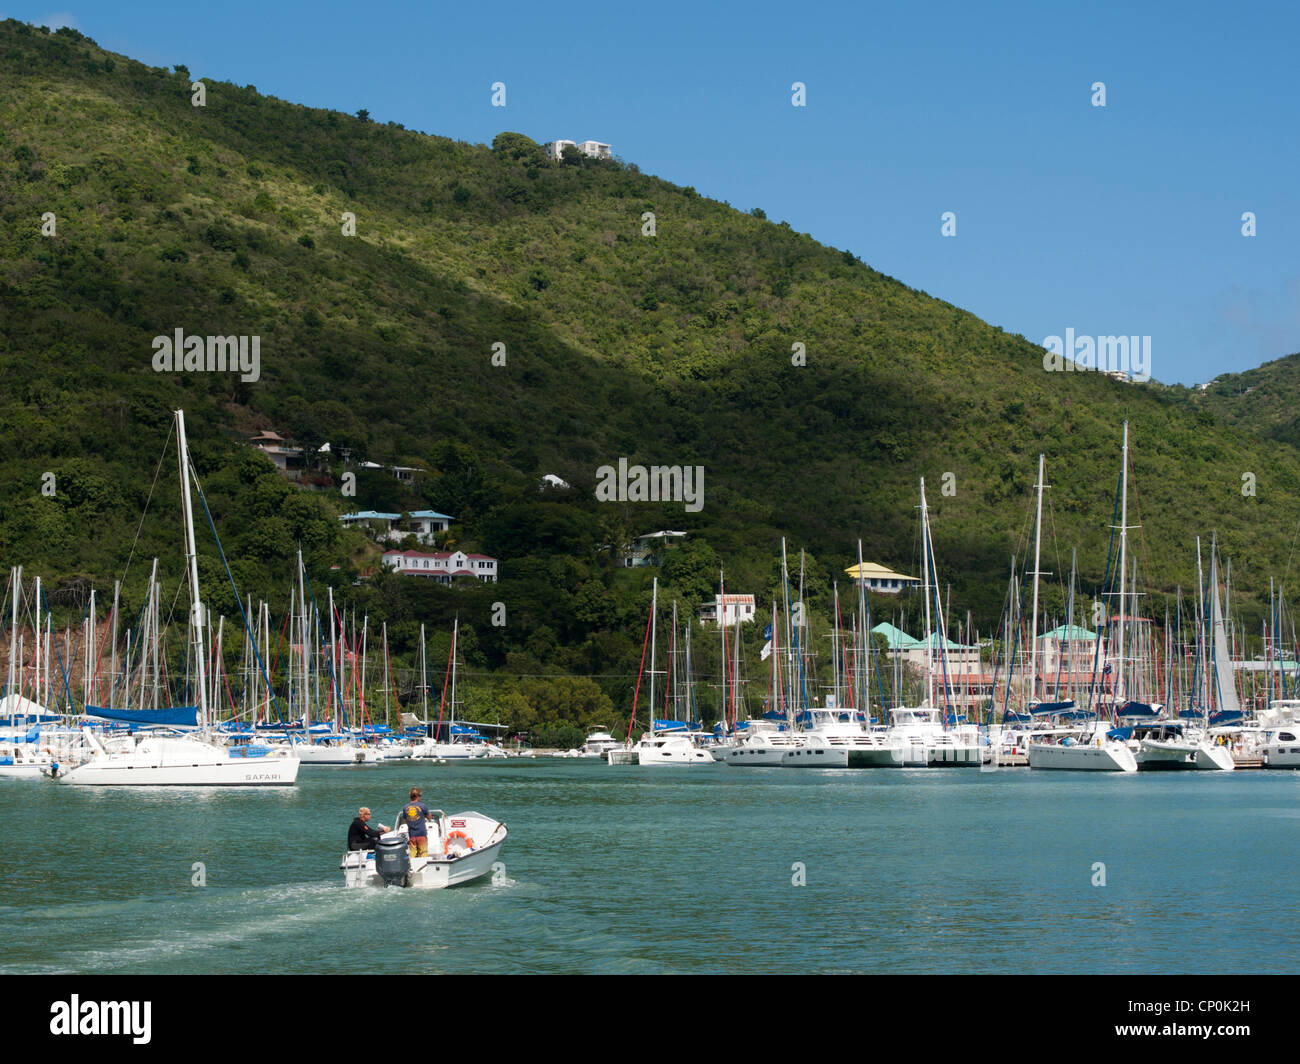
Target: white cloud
(58, 20)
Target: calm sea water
(661, 870)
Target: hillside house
(649, 549)
(733, 610)
(287, 458)
(879, 579)
(442, 567)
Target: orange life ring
(446, 846)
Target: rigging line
(230, 576)
(145, 511)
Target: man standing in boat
(413, 816)
(361, 836)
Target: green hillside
(671, 349)
(1264, 400)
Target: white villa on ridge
(734, 609)
(592, 149)
(442, 567)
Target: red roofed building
(444, 566)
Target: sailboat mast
(1201, 659)
(1033, 629)
(865, 644)
(35, 606)
(455, 635)
(654, 604)
(17, 576)
(925, 566)
(1123, 566)
(789, 641)
(192, 553)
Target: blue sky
(1123, 219)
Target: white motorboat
(20, 760)
(462, 848)
(158, 758)
(598, 744)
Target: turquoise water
(663, 870)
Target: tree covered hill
(1264, 401)
(677, 348)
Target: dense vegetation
(672, 349)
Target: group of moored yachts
(137, 743)
(37, 745)
(918, 738)
(1114, 733)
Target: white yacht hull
(1215, 758)
(256, 772)
(1282, 755)
(954, 755)
(337, 755)
(23, 771)
(756, 756)
(815, 755)
(1109, 757)
(447, 751)
(182, 762)
(1176, 755)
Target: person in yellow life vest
(414, 814)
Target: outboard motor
(393, 862)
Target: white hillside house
(592, 149)
(442, 567)
(733, 609)
(879, 579)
